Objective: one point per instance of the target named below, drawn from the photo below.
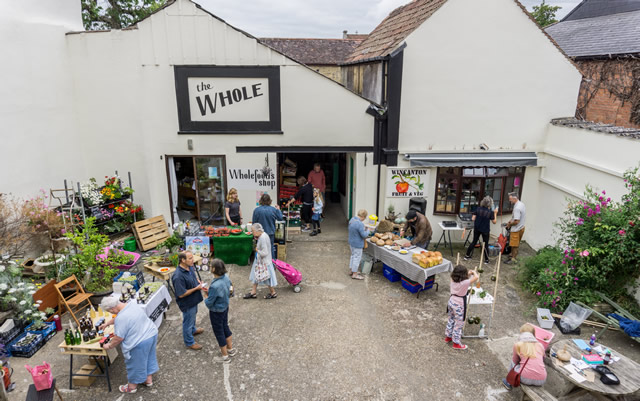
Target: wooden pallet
(151, 232)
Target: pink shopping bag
(42, 376)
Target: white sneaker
(232, 352)
(222, 359)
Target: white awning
(471, 159)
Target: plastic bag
(573, 317)
(42, 376)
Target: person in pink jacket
(528, 356)
(317, 179)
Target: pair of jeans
(485, 239)
(274, 252)
(189, 325)
(356, 257)
(220, 326)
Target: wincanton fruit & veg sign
(406, 182)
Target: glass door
(211, 188)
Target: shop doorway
(197, 188)
(334, 166)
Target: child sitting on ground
(317, 211)
(528, 348)
(457, 306)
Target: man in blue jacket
(187, 288)
(267, 215)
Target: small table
(447, 231)
(627, 371)
(165, 276)
(156, 305)
(35, 395)
(93, 350)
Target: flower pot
(40, 264)
(96, 298)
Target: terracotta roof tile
(314, 51)
(394, 29)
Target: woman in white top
(263, 256)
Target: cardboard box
(282, 252)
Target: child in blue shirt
(317, 212)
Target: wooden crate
(151, 232)
(293, 230)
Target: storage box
(413, 287)
(545, 320)
(25, 351)
(543, 336)
(390, 274)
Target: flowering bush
(17, 294)
(41, 219)
(598, 250)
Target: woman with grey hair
(262, 262)
(482, 216)
(138, 336)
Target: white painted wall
(133, 103)
(482, 72)
(36, 100)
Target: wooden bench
(536, 393)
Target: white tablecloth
(404, 265)
(156, 305)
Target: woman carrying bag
(262, 272)
(527, 365)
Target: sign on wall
(406, 182)
(251, 178)
(228, 100)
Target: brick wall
(606, 91)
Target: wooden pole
(495, 288)
(458, 259)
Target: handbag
(261, 272)
(513, 377)
(42, 376)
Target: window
(460, 189)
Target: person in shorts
(516, 224)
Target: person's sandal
(358, 277)
(250, 295)
(147, 384)
(126, 389)
(271, 296)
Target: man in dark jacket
(420, 228)
(187, 288)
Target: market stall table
(404, 265)
(164, 273)
(94, 351)
(446, 232)
(234, 249)
(156, 305)
(627, 371)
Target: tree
(545, 14)
(116, 14)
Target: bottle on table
(592, 341)
(78, 337)
(607, 357)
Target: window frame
(461, 176)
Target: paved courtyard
(338, 339)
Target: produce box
(545, 320)
(46, 333)
(9, 331)
(26, 345)
(132, 279)
(390, 274)
(413, 287)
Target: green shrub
(597, 251)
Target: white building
(79, 104)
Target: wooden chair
(76, 301)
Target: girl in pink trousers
(461, 280)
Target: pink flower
(573, 251)
(564, 262)
(560, 292)
(604, 192)
(548, 285)
(538, 293)
(575, 278)
(584, 253)
(622, 232)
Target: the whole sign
(406, 182)
(251, 178)
(228, 100)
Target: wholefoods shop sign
(406, 182)
(228, 100)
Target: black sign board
(95, 212)
(140, 278)
(164, 305)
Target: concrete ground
(338, 339)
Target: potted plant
(94, 272)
